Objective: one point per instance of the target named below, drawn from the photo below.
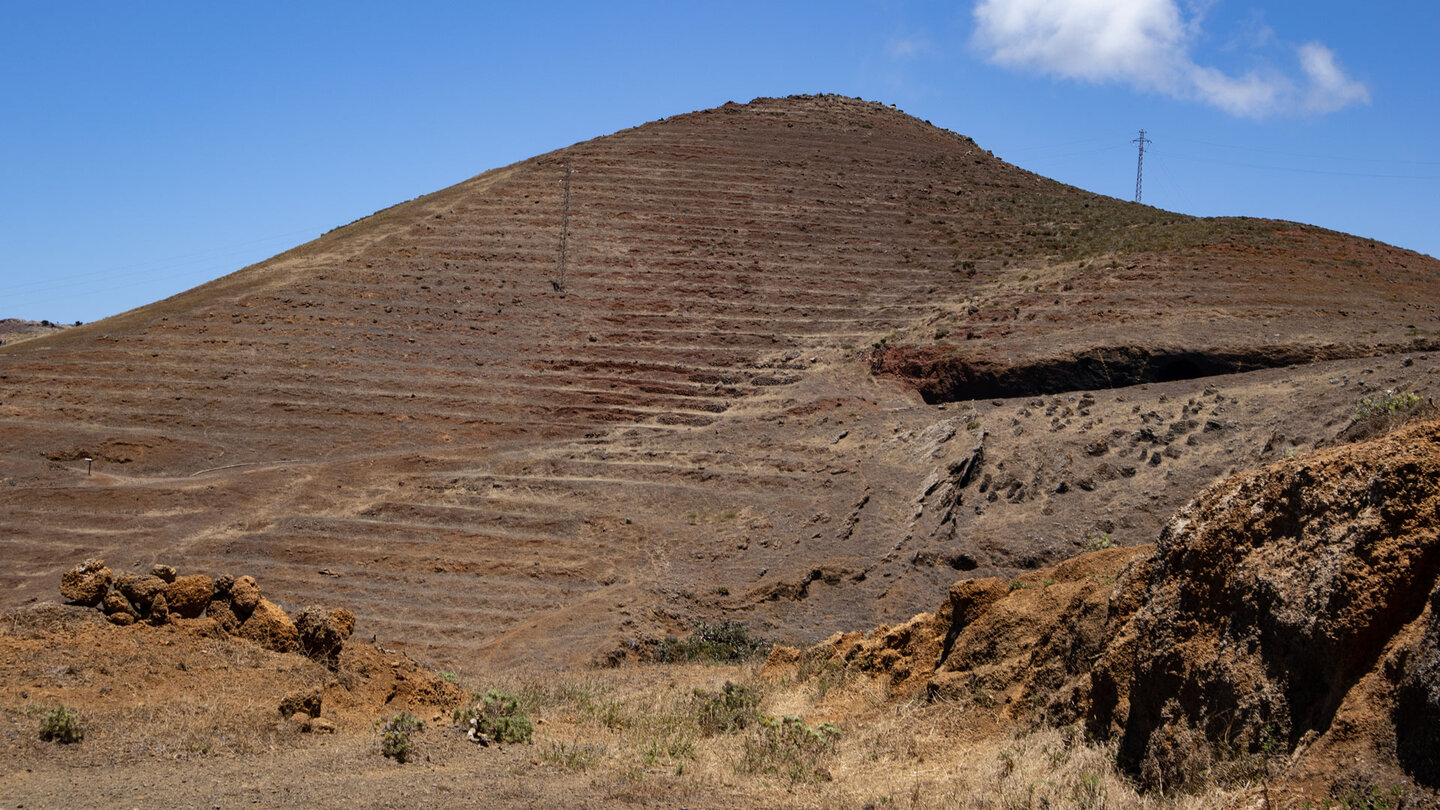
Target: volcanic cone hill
(799, 363)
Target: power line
(1303, 171)
(1349, 158)
(1140, 162)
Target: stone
(159, 612)
(306, 701)
(189, 596)
(317, 725)
(323, 633)
(269, 627)
(244, 595)
(141, 591)
(223, 613)
(116, 603)
(223, 583)
(122, 619)
(165, 572)
(87, 583)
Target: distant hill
(16, 329)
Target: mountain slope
(497, 424)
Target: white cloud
(1147, 45)
(908, 47)
(1329, 88)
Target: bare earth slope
(796, 363)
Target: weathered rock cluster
(234, 603)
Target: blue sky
(149, 147)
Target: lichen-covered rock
(323, 633)
(165, 572)
(159, 612)
(141, 591)
(86, 583)
(223, 613)
(269, 627)
(244, 595)
(189, 596)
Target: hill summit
(798, 363)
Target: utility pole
(1140, 162)
(559, 282)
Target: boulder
(115, 603)
(244, 595)
(323, 633)
(86, 583)
(223, 613)
(159, 611)
(141, 591)
(269, 627)
(189, 596)
(165, 572)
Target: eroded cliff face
(1288, 616)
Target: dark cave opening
(946, 375)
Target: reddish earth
(802, 364)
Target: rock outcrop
(1290, 614)
(1269, 598)
(234, 604)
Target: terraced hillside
(795, 363)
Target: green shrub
(1382, 413)
(1390, 402)
(495, 717)
(790, 748)
(61, 724)
(724, 642)
(733, 708)
(395, 732)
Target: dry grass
(644, 728)
(641, 734)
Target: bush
(395, 741)
(790, 748)
(1382, 413)
(61, 724)
(733, 708)
(1391, 401)
(495, 717)
(725, 642)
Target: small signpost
(88, 463)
